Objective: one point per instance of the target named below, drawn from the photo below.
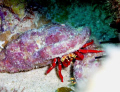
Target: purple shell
(37, 47)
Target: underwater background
(18, 16)
(96, 14)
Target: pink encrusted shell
(37, 47)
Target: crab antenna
(52, 66)
(59, 69)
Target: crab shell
(36, 48)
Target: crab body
(40, 47)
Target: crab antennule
(90, 51)
(59, 69)
(87, 44)
(53, 65)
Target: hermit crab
(51, 44)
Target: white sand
(33, 81)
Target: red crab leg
(66, 63)
(59, 69)
(87, 44)
(53, 65)
(90, 51)
(80, 56)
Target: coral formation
(11, 26)
(16, 6)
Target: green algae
(17, 6)
(97, 16)
(64, 89)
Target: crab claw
(79, 55)
(66, 62)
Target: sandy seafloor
(33, 81)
